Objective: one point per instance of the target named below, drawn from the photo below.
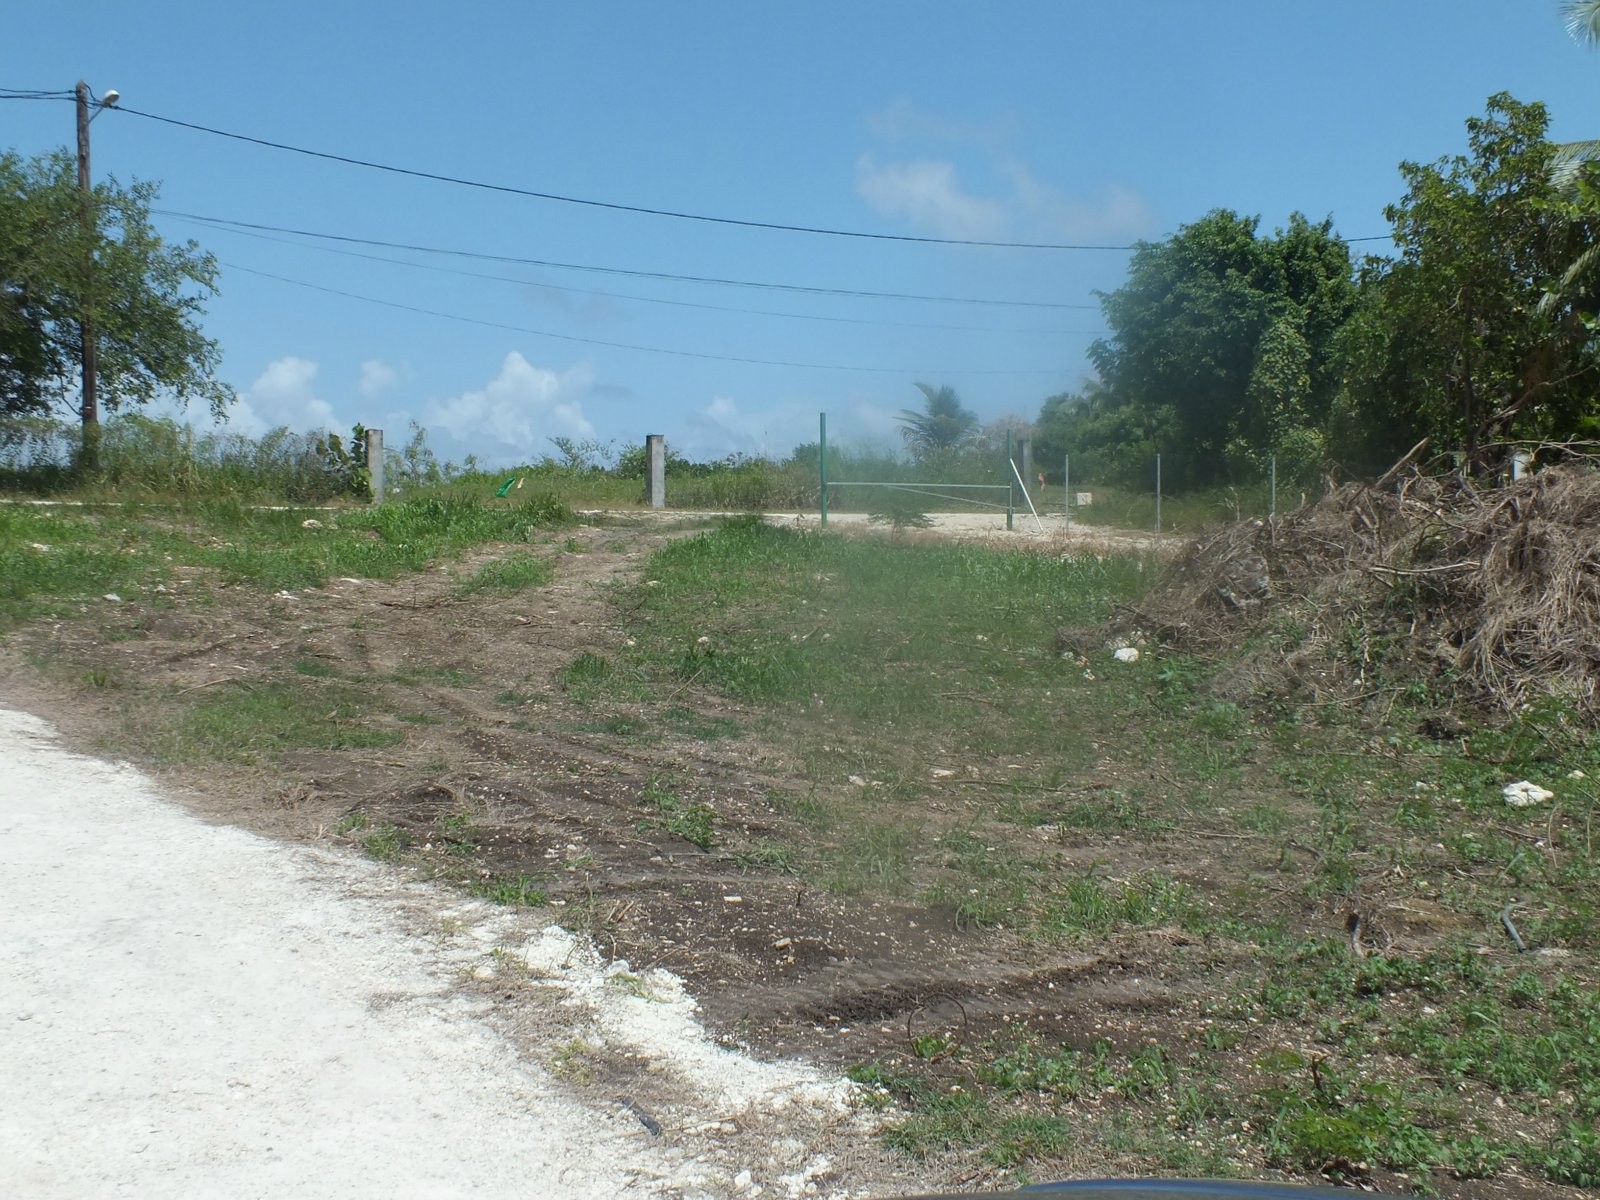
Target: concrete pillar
(375, 463)
(1025, 460)
(656, 452)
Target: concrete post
(656, 452)
(375, 463)
(1025, 454)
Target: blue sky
(1062, 122)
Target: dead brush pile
(1491, 595)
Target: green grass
(61, 562)
(508, 576)
(520, 891)
(695, 823)
(386, 843)
(248, 723)
(907, 641)
(592, 678)
(1085, 787)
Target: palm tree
(942, 424)
(1583, 20)
(1583, 23)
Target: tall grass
(54, 562)
(149, 458)
(157, 458)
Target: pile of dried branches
(1490, 591)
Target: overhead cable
(605, 295)
(507, 189)
(564, 337)
(636, 274)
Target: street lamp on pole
(88, 109)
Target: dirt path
(503, 772)
(193, 1010)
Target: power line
(635, 274)
(507, 189)
(564, 337)
(759, 312)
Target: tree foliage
(1474, 334)
(142, 295)
(940, 426)
(1221, 344)
(1227, 348)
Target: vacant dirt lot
(472, 758)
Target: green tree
(1189, 330)
(1467, 335)
(1109, 441)
(143, 296)
(940, 426)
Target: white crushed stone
(191, 1010)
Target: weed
(767, 855)
(590, 677)
(696, 725)
(507, 576)
(694, 823)
(350, 823)
(570, 1061)
(387, 842)
(634, 985)
(520, 891)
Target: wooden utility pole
(91, 397)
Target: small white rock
(941, 772)
(858, 781)
(311, 523)
(1523, 794)
(1128, 654)
(113, 597)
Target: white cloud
(518, 409)
(1118, 212)
(900, 120)
(928, 194)
(283, 395)
(377, 377)
(1010, 203)
(723, 427)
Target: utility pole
(91, 396)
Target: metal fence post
(1158, 493)
(1272, 502)
(1066, 487)
(822, 466)
(1011, 488)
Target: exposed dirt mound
(1492, 591)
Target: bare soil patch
(475, 751)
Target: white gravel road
(188, 1010)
